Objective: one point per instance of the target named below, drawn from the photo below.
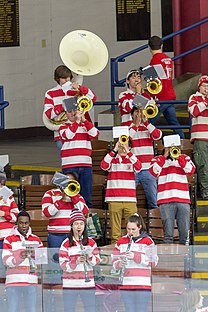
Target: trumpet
(123, 139)
(72, 189)
(175, 152)
(84, 103)
(124, 266)
(150, 110)
(154, 86)
(87, 280)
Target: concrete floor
(40, 151)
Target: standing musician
(53, 103)
(76, 136)
(78, 254)
(198, 108)
(134, 255)
(58, 206)
(134, 87)
(143, 134)
(21, 280)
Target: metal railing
(3, 105)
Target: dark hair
(155, 43)
(131, 73)
(62, 72)
(84, 234)
(136, 218)
(23, 213)
(74, 175)
(134, 109)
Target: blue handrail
(3, 105)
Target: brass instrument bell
(175, 152)
(72, 189)
(123, 139)
(150, 110)
(84, 103)
(154, 86)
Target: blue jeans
(136, 300)
(149, 184)
(85, 181)
(55, 241)
(181, 212)
(168, 111)
(21, 295)
(70, 299)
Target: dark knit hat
(76, 215)
(202, 79)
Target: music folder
(70, 104)
(155, 71)
(140, 101)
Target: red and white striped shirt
(121, 184)
(142, 138)
(125, 105)
(137, 274)
(76, 138)
(172, 178)
(18, 269)
(53, 104)
(8, 220)
(59, 211)
(73, 273)
(198, 108)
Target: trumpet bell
(83, 52)
(150, 110)
(123, 139)
(154, 86)
(175, 152)
(72, 189)
(84, 103)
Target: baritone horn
(84, 103)
(72, 189)
(154, 86)
(175, 152)
(150, 110)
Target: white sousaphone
(85, 54)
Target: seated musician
(21, 271)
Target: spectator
(142, 134)
(121, 165)
(167, 92)
(198, 108)
(173, 191)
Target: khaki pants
(117, 211)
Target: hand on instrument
(75, 86)
(2, 213)
(78, 116)
(81, 259)
(130, 255)
(139, 88)
(167, 152)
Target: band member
(143, 134)
(76, 135)
(78, 254)
(134, 87)
(121, 165)
(134, 255)
(53, 103)
(21, 271)
(173, 192)
(198, 108)
(8, 210)
(57, 206)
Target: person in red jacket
(134, 255)
(167, 92)
(125, 103)
(198, 108)
(77, 256)
(21, 270)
